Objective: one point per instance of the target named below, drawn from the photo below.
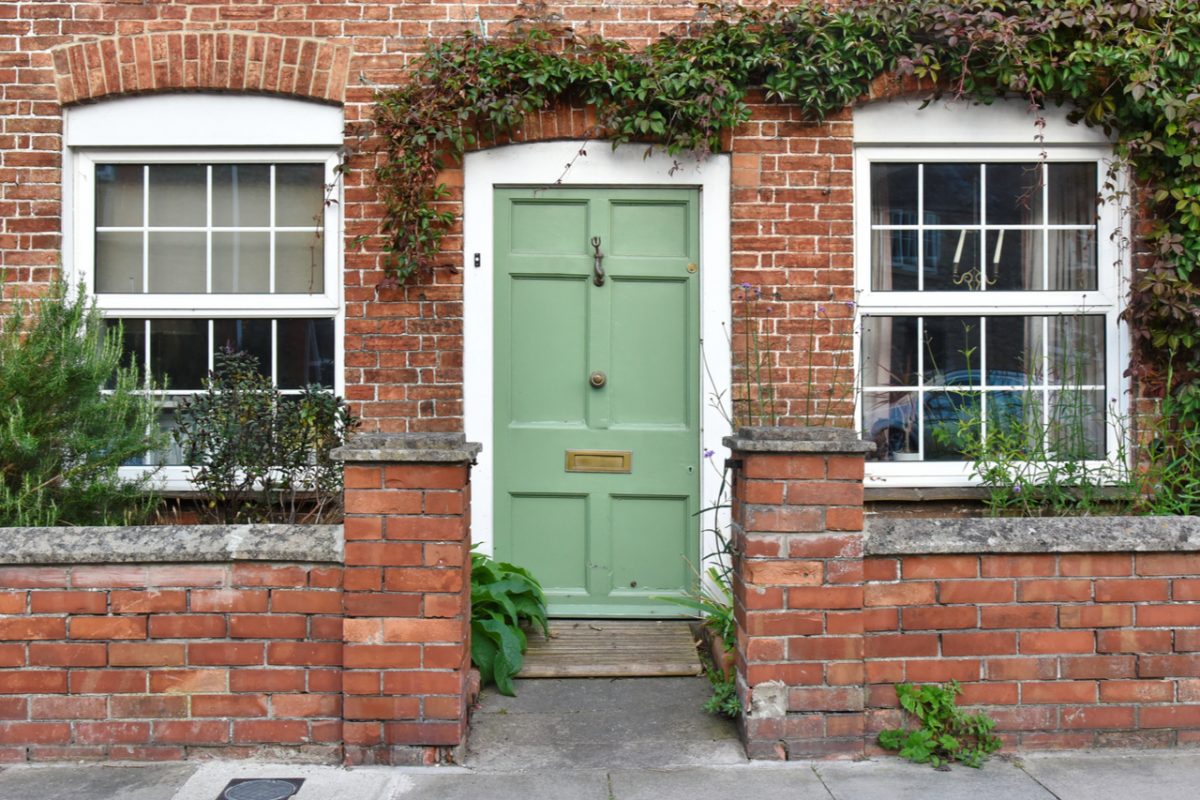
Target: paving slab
(558, 785)
(893, 779)
(320, 782)
(790, 782)
(1120, 774)
(588, 755)
(94, 782)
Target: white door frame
(541, 164)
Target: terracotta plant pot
(723, 660)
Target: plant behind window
(260, 455)
(70, 416)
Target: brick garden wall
(1070, 633)
(170, 661)
(1064, 650)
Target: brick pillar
(797, 585)
(407, 599)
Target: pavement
(632, 739)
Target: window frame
(324, 305)
(1112, 236)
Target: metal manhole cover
(261, 789)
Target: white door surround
(541, 164)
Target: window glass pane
(894, 258)
(890, 351)
(299, 263)
(1077, 424)
(178, 195)
(241, 261)
(133, 342)
(1014, 260)
(1073, 260)
(241, 195)
(894, 194)
(951, 261)
(1073, 190)
(952, 419)
(305, 353)
(179, 352)
(118, 262)
(891, 420)
(251, 336)
(299, 195)
(952, 355)
(1076, 350)
(1015, 422)
(177, 262)
(1014, 194)
(119, 195)
(1014, 351)
(952, 194)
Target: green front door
(598, 377)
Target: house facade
(599, 320)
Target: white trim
(917, 136)
(541, 164)
(195, 119)
(964, 123)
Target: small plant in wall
(504, 598)
(945, 734)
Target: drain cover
(261, 789)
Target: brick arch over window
(221, 61)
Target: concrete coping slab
(787, 439)
(129, 544)
(1032, 535)
(444, 448)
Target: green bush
(260, 455)
(70, 415)
(503, 597)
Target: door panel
(553, 542)
(544, 384)
(601, 543)
(649, 361)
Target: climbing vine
(1128, 66)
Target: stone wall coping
(446, 448)
(171, 543)
(1031, 535)
(786, 439)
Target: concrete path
(1059, 776)
(1170, 775)
(630, 739)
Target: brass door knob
(598, 379)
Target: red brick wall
(408, 611)
(1066, 650)
(790, 205)
(170, 661)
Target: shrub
(260, 455)
(503, 598)
(70, 416)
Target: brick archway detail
(215, 61)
